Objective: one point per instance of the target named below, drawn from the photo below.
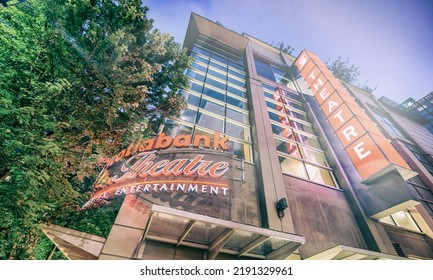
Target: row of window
(232, 85)
(299, 150)
(306, 171)
(270, 71)
(213, 122)
(240, 149)
(420, 156)
(216, 97)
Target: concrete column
(271, 183)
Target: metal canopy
(216, 236)
(75, 245)
(342, 252)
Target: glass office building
(272, 158)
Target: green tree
(343, 70)
(80, 80)
(282, 47)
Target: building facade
(273, 158)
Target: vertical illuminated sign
(370, 152)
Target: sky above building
(390, 41)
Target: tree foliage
(284, 48)
(344, 70)
(80, 79)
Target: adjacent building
(273, 158)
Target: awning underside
(215, 236)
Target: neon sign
(137, 169)
(366, 146)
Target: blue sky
(391, 41)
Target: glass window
(199, 67)
(293, 95)
(214, 94)
(320, 175)
(189, 115)
(237, 131)
(212, 107)
(288, 148)
(240, 150)
(215, 83)
(417, 180)
(275, 107)
(236, 102)
(313, 156)
(219, 58)
(218, 66)
(236, 115)
(265, 74)
(269, 87)
(236, 65)
(293, 104)
(307, 140)
(201, 51)
(293, 167)
(193, 100)
(217, 74)
(296, 114)
(268, 95)
(389, 125)
(175, 129)
(236, 91)
(236, 82)
(196, 57)
(277, 118)
(197, 87)
(210, 122)
(425, 193)
(284, 132)
(301, 126)
(236, 73)
(404, 219)
(195, 75)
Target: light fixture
(281, 205)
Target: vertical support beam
(265, 152)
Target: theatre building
(273, 158)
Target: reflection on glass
(236, 115)
(215, 83)
(217, 74)
(175, 129)
(313, 156)
(288, 148)
(404, 219)
(320, 175)
(212, 107)
(214, 94)
(189, 115)
(236, 131)
(193, 100)
(210, 122)
(292, 167)
(236, 102)
(236, 91)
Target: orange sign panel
(368, 149)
